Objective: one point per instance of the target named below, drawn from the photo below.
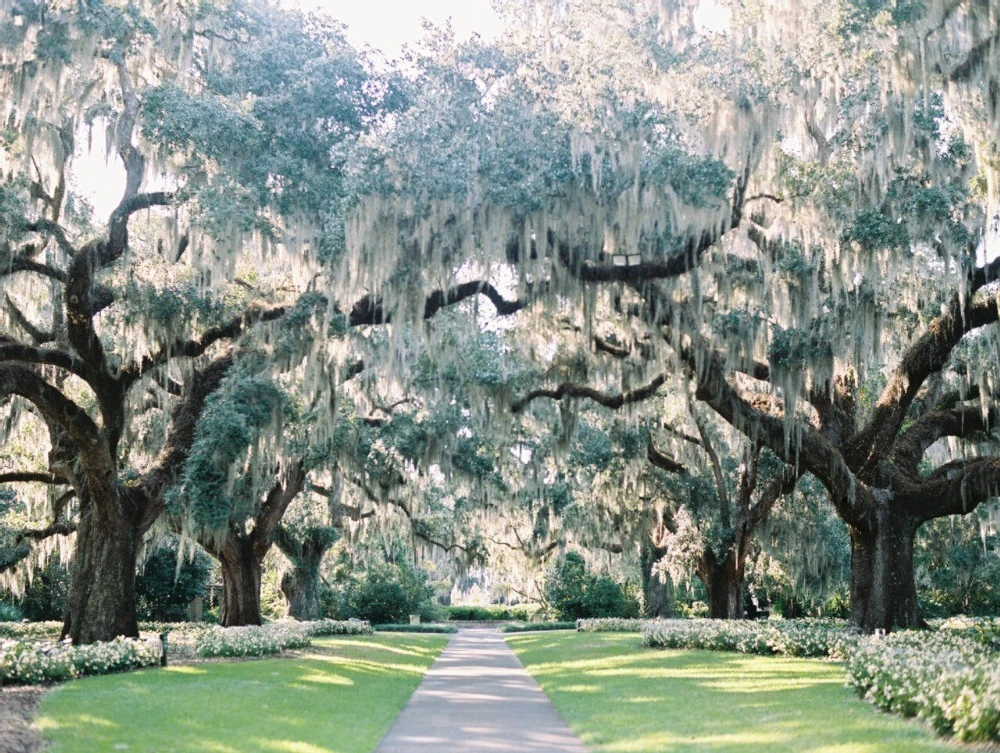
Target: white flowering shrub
(948, 677)
(24, 630)
(30, 662)
(611, 625)
(253, 640)
(319, 628)
(792, 637)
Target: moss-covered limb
(663, 461)
(192, 348)
(580, 262)
(608, 400)
(33, 354)
(169, 463)
(24, 262)
(50, 228)
(973, 62)
(837, 413)
(721, 488)
(57, 409)
(370, 309)
(278, 499)
(962, 422)
(956, 488)
(927, 355)
(37, 334)
(40, 477)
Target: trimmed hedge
(532, 626)
(489, 614)
(405, 627)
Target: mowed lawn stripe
(339, 696)
(620, 696)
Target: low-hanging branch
(927, 355)
(184, 348)
(55, 230)
(15, 352)
(54, 406)
(370, 310)
(24, 263)
(677, 264)
(571, 389)
(37, 334)
(39, 477)
(663, 461)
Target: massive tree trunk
(723, 581)
(101, 601)
(883, 588)
(241, 566)
(301, 587)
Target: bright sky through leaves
(389, 24)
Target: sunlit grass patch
(622, 697)
(339, 696)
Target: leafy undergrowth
(619, 695)
(339, 696)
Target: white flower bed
(253, 640)
(793, 637)
(319, 628)
(611, 625)
(22, 630)
(946, 677)
(30, 663)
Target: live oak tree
(210, 178)
(794, 212)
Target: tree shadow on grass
(340, 698)
(621, 696)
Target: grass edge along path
(340, 695)
(620, 696)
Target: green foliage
(794, 349)
(45, 597)
(164, 588)
(384, 593)
(958, 565)
(10, 612)
(229, 424)
(573, 593)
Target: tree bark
(658, 597)
(101, 601)
(301, 587)
(723, 581)
(883, 588)
(241, 568)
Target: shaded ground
(18, 706)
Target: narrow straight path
(478, 698)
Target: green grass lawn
(340, 696)
(619, 695)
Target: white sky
(389, 24)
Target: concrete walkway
(478, 698)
